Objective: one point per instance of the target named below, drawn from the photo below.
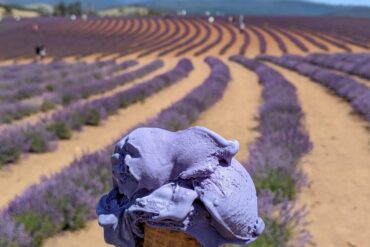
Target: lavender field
(294, 91)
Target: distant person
(40, 52)
(241, 27)
(211, 19)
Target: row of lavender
(42, 136)
(67, 200)
(36, 80)
(357, 93)
(274, 158)
(74, 88)
(352, 63)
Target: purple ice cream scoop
(186, 181)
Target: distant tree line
(67, 9)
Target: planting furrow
(311, 40)
(237, 108)
(212, 44)
(246, 42)
(262, 43)
(288, 37)
(97, 89)
(191, 38)
(335, 44)
(275, 157)
(42, 136)
(357, 64)
(356, 93)
(338, 167)
(29, 171)
(178, 116)
(172, 41)
(278, 40)
(232, 34)
(207, 29)
(253, 48)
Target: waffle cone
(156, 237)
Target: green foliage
(47, 106)
(61, 130)
(74, 217)
(37, 143)
(92, 117)
(280, 182)
(67, 99)
(97, 75)
(50, 87)
(9, 153)
(8, 117)
(38, 226)
(276, 235)
(63, 9)
(123, 102)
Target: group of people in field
(231, 19)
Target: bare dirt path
(272, 47)
(33, 118)
(311, 48)
(233, 116)
(30, 169)
(253, 48)
(338, 167)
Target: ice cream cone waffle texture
(156, 237)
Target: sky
(344, 2)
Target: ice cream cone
(156, 237)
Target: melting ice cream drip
(186, 181)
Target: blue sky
(344, 2)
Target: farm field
(294, 91)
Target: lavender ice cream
(186, 181)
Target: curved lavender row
(333, 42)
(246, 42)
(232, 39)
(184, 112)
(42, 136)
(214, 43)
(312, 40)
(198, 43)
(292, 38)
(140, 35)
(185, 42)
(345, 87)
(352, 63)
(126, 37)
(164, 37)
(66, 200)
(37, 84)
(100, 86)
(154, 36)
(277, 39)
(261, 39)
(69, 94)
(168, 42)
(349, 40)
(275, 156)
(35, 72)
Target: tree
(63, 9)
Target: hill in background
(245, 7)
